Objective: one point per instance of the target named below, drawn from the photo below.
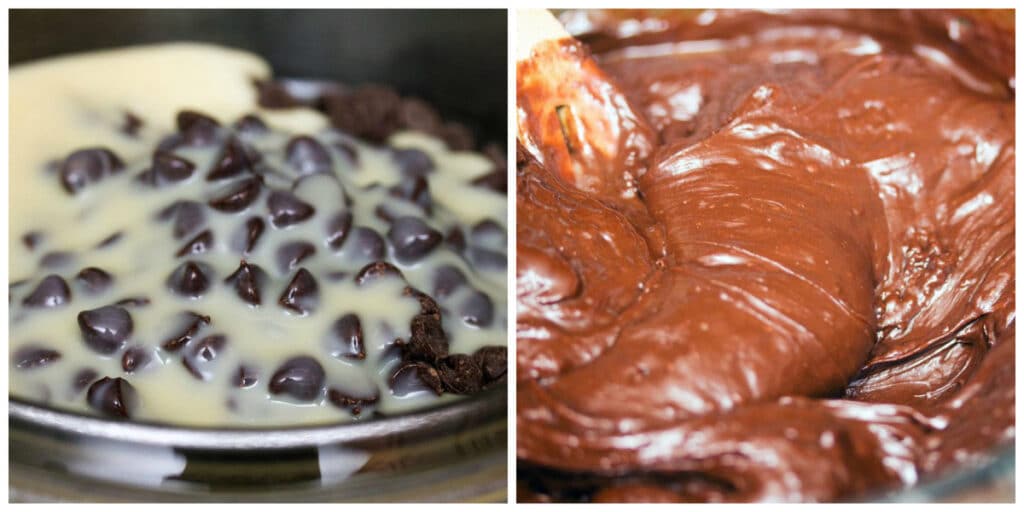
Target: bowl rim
(490, 404)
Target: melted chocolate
(782, 270)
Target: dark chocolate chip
(51, 292)
(427, 341)
(189, 324)
(412, 238)
(457, 136)
(197, 129)
(287, 209)
(412, 163)
(493, 363)
(87, 166)
(34, 356)
(32, 239)
(245, 377)
(347, 338)
(187, 216)
(110, 240)
(235, 158)
(171, 142)
(414, 377)
(133, 302)
(354, 404)
(302, 295)
(415, 190)
(477, 309)
(375, 270)
(496, 180)
(487, 259)
(105, 329)
(384, 213)
(416, 114)
(190, 279)
(460, 374)
(136, 358)
(199, 355)
(94, 280)
(456, 239)
(290, 254)
(338, 227)
(447, 279)
(82, 379)
(113, 397)
(238, 196)
(251, 124)
(248, 281)
(307, 156)
(349, 151)
(245, 239)
(131, 124)
(167, 169)
(365, 244)
(197, 245)
(300, 377)
(56, 259)
(369, 112)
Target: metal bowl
(455, 452)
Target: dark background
(455, 59)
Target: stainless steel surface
(456, 452)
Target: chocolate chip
(245, 377)
(338, 227)
(250, 124)
(427, 341)
(136, 358)
(414, 377)
(307, 156)
(375, 270)
(238, 196)
(447, 279)
(456, 239)
(344, 400)
(416, 114)
(300, 377)
(189, 324)
(94, 280)
(56, 259)
(412, 239)
(349, 151)
(488, 233)
(110, 240)
(245, 239)
(200, 355)
(32, 239)
(369, 112)
(248, 280)
(113, 397)
(415, 190)
(413, 163)
(384, 213)
(105, 329)
(302, 294)
(34, 356)
(287, 209)
(87, 166)
(167, 169)
(457, 136)
(365, 244)
(197, 129)
(51, 292)
(133, 302)
(190, 279)
(487, 259)
(460, 374)
(496, 180)
(82, 379)
(234, 159)
(347, 338)
(188, 216)
(477, 309)
(493, 363)
(131, 124)
(290, 254)
(197, 245)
